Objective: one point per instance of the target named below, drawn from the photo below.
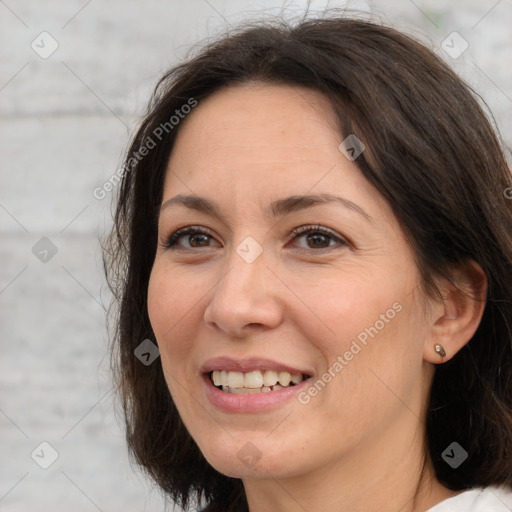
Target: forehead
(257, 125)
(252, 142)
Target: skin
(358, 444)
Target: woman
(313, 228)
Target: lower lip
(256, 402)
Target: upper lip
(248, 364)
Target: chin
(250, 458)
(234, 468)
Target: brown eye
(195, 236)
(318, 237)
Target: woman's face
(252, 303)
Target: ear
(455, 320)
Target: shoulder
(481, 499)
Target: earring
(440, 350)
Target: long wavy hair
(433, 155)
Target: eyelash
(302, 230)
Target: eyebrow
(278, 208)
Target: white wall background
(65, 121)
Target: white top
(488, 499)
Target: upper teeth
(256, 379)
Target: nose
(245, 299)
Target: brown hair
(431, 152)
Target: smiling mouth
(255, 382)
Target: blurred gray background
(75, 77)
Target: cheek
(172, 304)
(367, 329)
(349, 306)
(171, 313)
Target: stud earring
(440, 350)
